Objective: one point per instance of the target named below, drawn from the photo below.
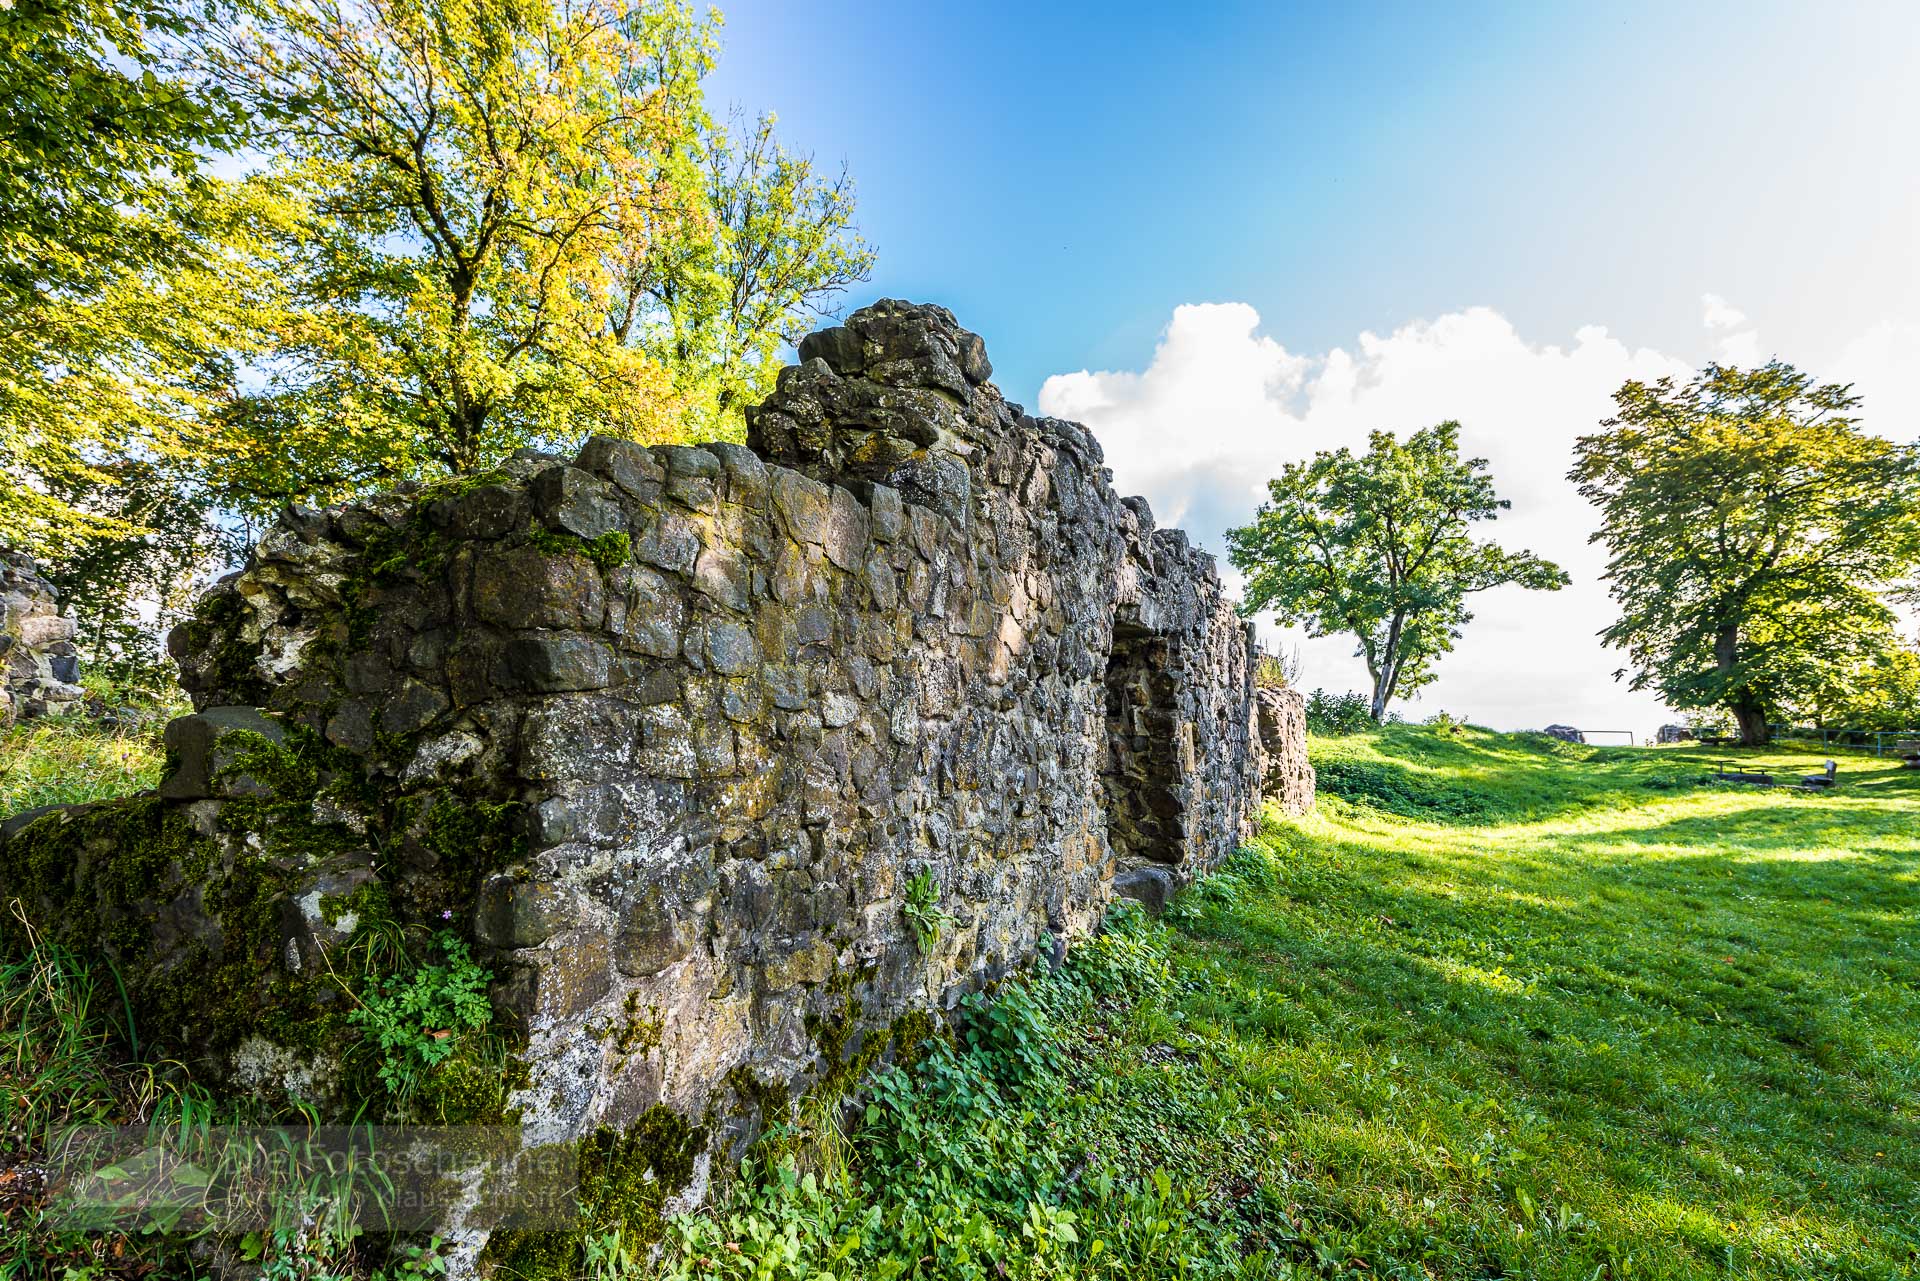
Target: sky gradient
(1232, 237)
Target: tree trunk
(466, 422)
(1748, 712)
(1380, 697)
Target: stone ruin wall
(39, 663)
(668, 732)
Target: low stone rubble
(39, 663)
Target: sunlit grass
(64, 760)
(1593, 1014)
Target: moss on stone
(303, 770)
(913, 1036)
(469, 837)
(608, 552)
(95, 880)
(625, 1180)
(470, 1088)
(214, 629)
(637, 1033)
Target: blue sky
(1698, 180)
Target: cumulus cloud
(1735, 342)
(1221, 407)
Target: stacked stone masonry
(39, 664)
(668, 732)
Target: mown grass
(1613, 1021)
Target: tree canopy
(107, 324)
(511, 223)
(1755, 534)
(1379, 546)
(262, 251)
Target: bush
(1277, 671)
(1347, 713)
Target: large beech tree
(1755, 535)
(511, 222)
(1379, 546)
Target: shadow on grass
(1723, 1030)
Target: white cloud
(1222, 407)
(1735, 342)
(1720, 314)
(1883, 364)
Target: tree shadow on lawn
(1480, 779)
(1706, 1021)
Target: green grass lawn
(1582, 1012)
(1501, 1008)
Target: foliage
(1347, 713)
(93, 134)
(413, 1021)
(1754, 532)
(1877, 691)
(508, 225)
(1622, 1032)
(716, 307)
(921, 906)
(1379, 546)
(113, 326)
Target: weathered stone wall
(1280, 725)
(670, 733)
(39, 665)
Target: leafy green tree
(460, 174)
(718, 306)
(1379, 546)
(509, 224)
(108, 325)
(1754, 533)
(1879, 691)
